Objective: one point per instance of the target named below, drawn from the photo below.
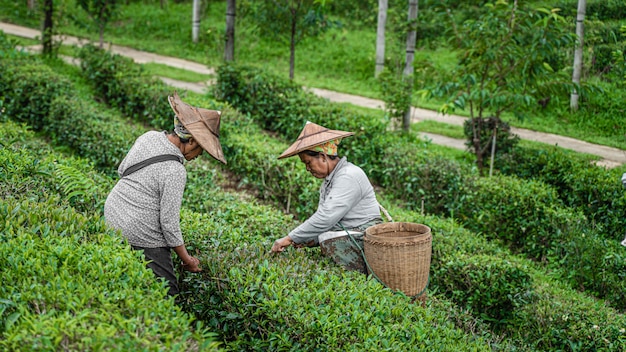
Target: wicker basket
(398, 253)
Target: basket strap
(385, 212)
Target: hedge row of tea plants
(521, 276)
(69, 282)
(595, 191)
(121, 83)
(48, 102)
(541, 227)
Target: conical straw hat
(203, 124)
(311, 136)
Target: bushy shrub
(123, 84)
(491, 287)
(83, 126)
(595, 191)
(32, 88)
(69, 283)
(528, 215)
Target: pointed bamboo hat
(311, 136)
(203, 124)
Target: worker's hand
(280, 244)
(192, 265)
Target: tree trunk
(229, 47)
(410, 54)
(578, 53)
(380, 37)
(195, 23)
(493, 148)
(32, 4)
(46, 37)
(292, 46)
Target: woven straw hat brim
(311, 136)
(203, 124)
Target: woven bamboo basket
(398, 253)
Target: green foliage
(29, 89)
(491, 287)
(71, 284)
(396, 91)
(83, 126)
(253, 155)
(505, 141)
(124, 85)
(101, 12)
(595, 191)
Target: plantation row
(243, 289)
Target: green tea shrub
(69, 283)
(83, 126)
(595, 191)
(561, 320)
(299, 300)
(491, 287)
(274, 101)
(31, 88)
(253, 156)
(421, 179)
(528, 215)
(123, 84)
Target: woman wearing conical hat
(347, 204)
(145, 202)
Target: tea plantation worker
(145, 202)
(347, 203)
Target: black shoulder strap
(154, 159)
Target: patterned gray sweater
(346, 197)
(145, 205)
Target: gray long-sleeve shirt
(145, 205)
(346, 197)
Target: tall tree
(578, 53)
(410, 55)
(380, 37)
(503, 67)
(290, 21)
(229, 47)
(47, 30)
(100, 12)
(195, 21)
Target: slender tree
(380, 37)
(503, 67)
(229, 47)
(290, 21)
(195, 21)
(48, 30)
(101, 12)
(578, 53)
(410, 55)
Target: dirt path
(612, 157)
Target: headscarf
(328, 148)
(180, 130)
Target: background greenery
(344, 55)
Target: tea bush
(69, 283)
(124, 85)
(28, 90)
(488, 285)
(595, 191)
